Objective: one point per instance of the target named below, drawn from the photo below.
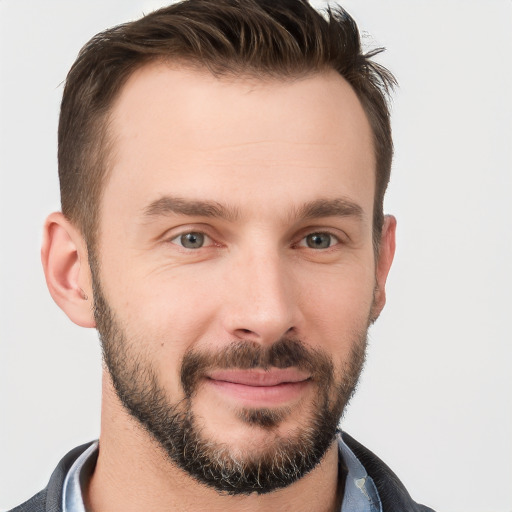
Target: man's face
(235, 271)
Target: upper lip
(258, 377)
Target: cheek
(158, 297)
(337, 307)
(162, 314)
(170, 322)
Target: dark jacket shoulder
(393, 494)
(50, 499)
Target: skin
(264, 150)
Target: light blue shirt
(360, 493)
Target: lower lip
(261, 396)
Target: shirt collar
(360, 491)
(76, 478)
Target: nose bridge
(262, 306)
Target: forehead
(186, 132)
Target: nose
(262, 301)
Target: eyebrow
(318, 208)
(193, 208)
(339, 207)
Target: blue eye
(192, 240)
(320, 240)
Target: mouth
(260, 388)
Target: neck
(133, 473)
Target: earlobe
(383, 264)
(66, 268)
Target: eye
(191, 240)
(319, 241)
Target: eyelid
(207, 239)
(172, 236)
(339, 236)
(336, 239)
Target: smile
(259, 388)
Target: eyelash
(181, 235)
(178, 239)
(334, 239)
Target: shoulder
(50, 498)
(393, 494)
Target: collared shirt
(360, 494)
(78, 475)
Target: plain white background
(434, 401)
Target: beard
(283, 459)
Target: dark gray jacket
(392, 493)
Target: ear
(66, 268)
(384, 260)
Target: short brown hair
(273, 38)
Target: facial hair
(284, 459)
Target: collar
(76, 478)
(360, 491)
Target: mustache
(247, 355)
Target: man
(223, 165)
